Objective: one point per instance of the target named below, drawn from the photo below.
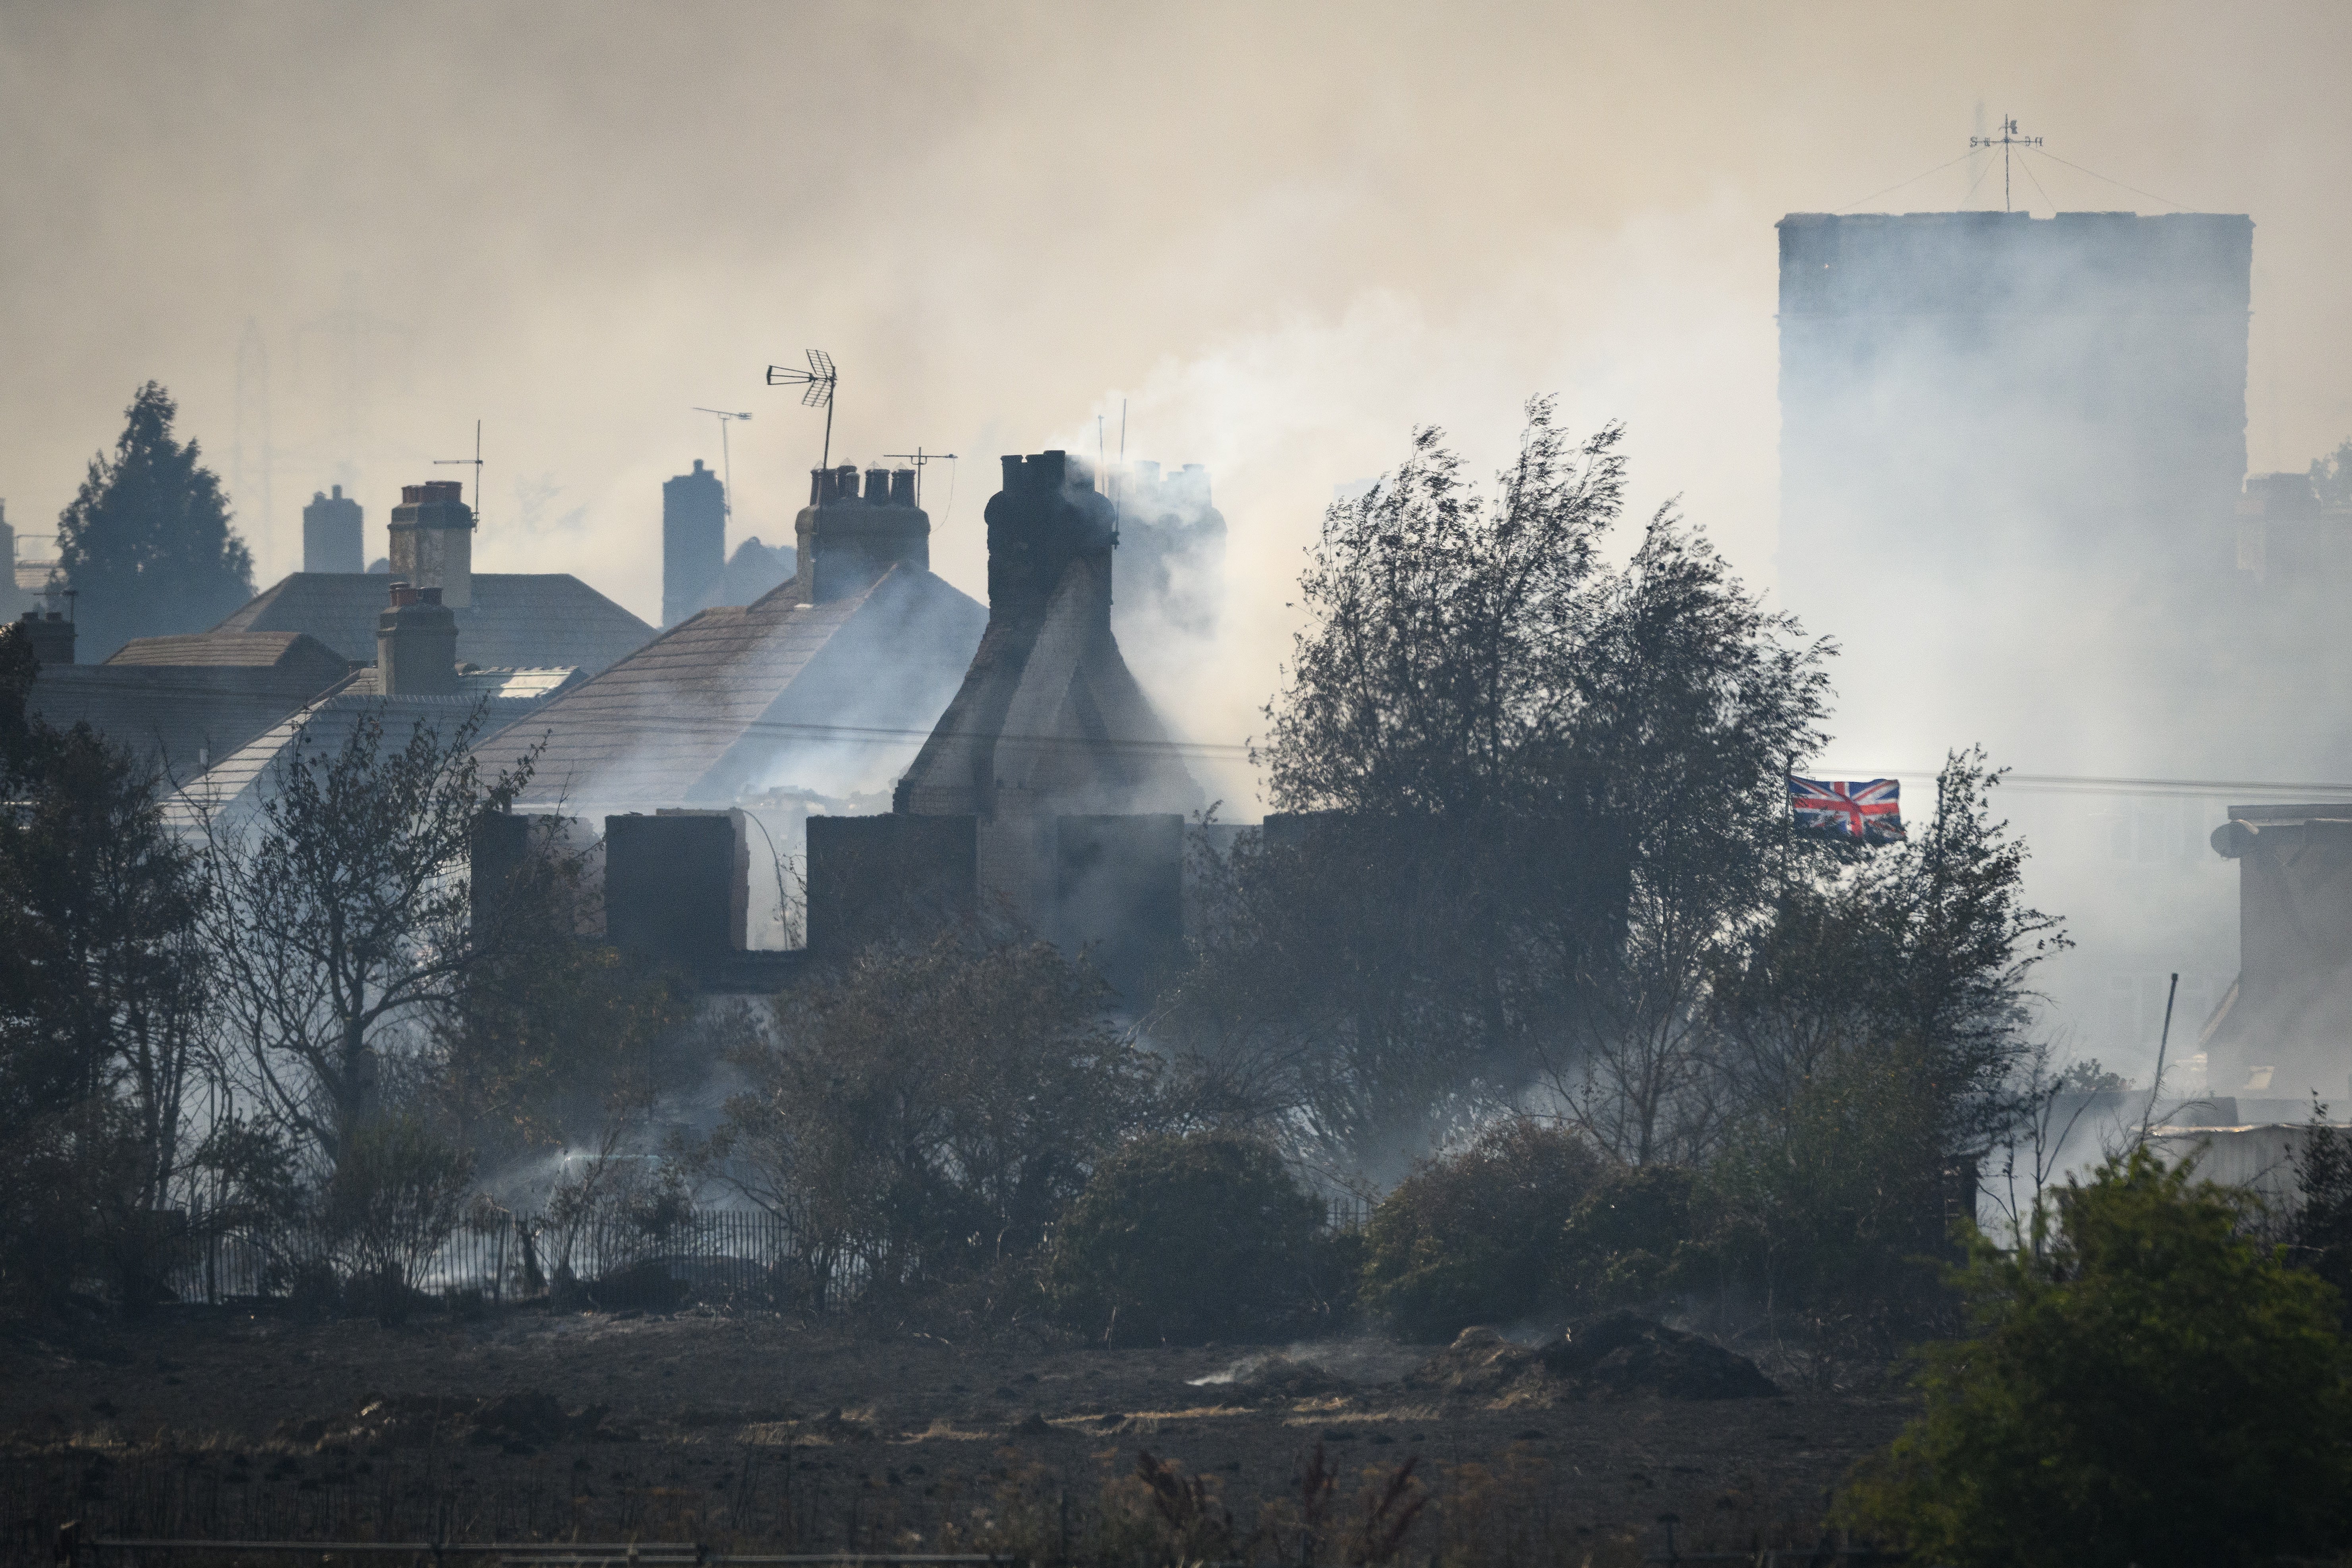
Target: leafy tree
(102, 998)
(1865, 1043)
(1538, 793)
(1476, 1236)
(146, 544)
(1181, 1239)
(2151, 1386)
(2319, 1228)
(932, 1107)
(2331, 475)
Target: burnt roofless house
(515, 619)
(1050, 784)
(820, 683)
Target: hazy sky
(1283, 233)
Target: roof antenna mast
(920, 459)
(2006, 139)
(819, 379)
(726, 502)
(476, 463)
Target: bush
(1632, 1239)
(397, 1191)
(2147, 1385)
(930, 1110)
(1188, 1239)
(1475, 1236)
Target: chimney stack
(1048, 515)
(51, 634)
(433, 540)
(416, 645)
(847, 543)
(334, 533)
(694, 542)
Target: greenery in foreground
(2145, 1382)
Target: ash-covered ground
(830, 1437)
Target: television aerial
(920, 460)
(819, 379)
(726, 463)
(474, 462)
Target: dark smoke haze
(1279, 237)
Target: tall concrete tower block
(694, 541)
(2007, 445)
(334, 533)
(1956, 386)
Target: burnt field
(830, 1437)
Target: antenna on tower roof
(2007, 139)
(726, 462)
(819, 379)
(476, 461)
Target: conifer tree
(146, 546)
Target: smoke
(1282, 237)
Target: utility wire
(2037, 186)
(2135, 190)
(1912, 180)
(1975, 183)
(2089, 783)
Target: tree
(2331, 475)
(146, 544)
(102, 993)
(343, 918)
(932, 1106)
(2152, 1386)
(1867, 1042)
(2319, 1227)
(1538, 792)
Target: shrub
(1476, 1236)
(396, 1193)
(1631, 1239)
(930, 1110)
(1186, 1239)
(2149, 1386)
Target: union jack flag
(1868, 809)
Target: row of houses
(871, 739)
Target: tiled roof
(292, 652)
(775, 692)
(517, 620)
(473, 682)
(237, 782)
(178, 717)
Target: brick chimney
(51, 634)
(433, 540)
(846, 541)
(1048, 515)
(416, 645)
